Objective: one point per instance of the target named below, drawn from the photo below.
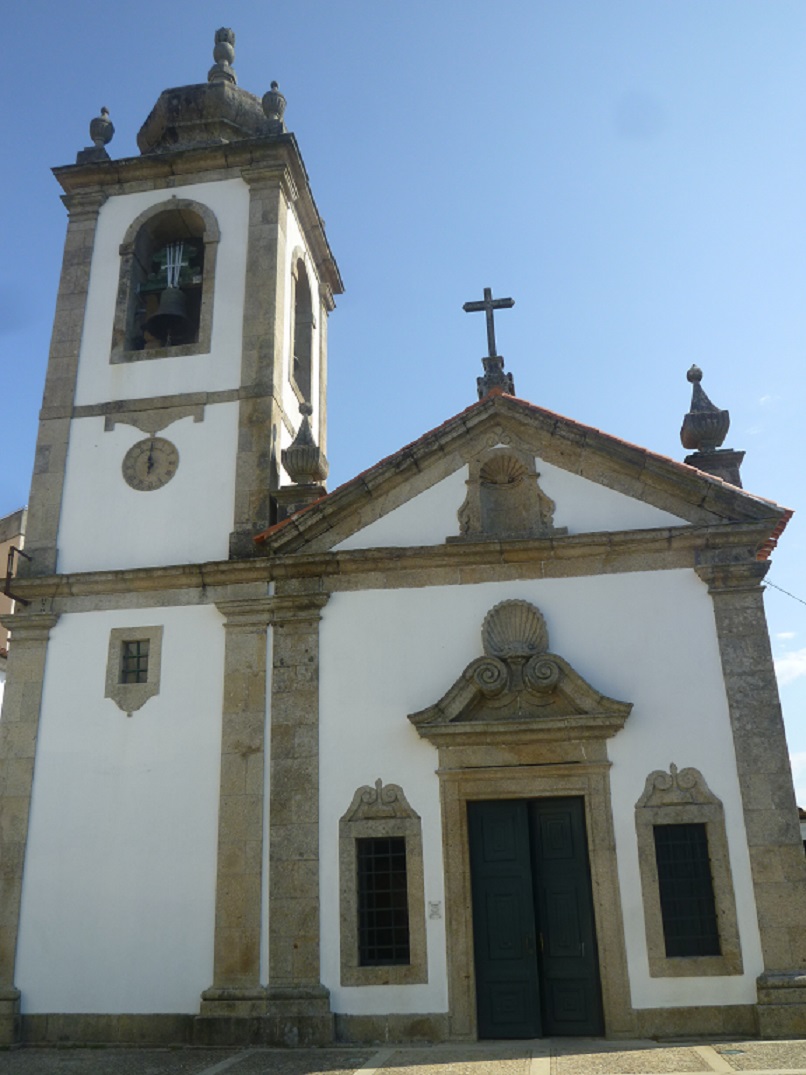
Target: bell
(170, 323)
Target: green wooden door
(534, 937)
(569, 967)
(504, 931)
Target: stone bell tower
(191, 326)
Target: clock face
(150, 463)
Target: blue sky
(632, 172)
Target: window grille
(383, 912)
(686, 890)
(134, 661)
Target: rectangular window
(134, 661)
(383, 911)
(686, 890)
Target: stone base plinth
(782, 1005)
(288, 1017)
(9, 1016)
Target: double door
(536, 962)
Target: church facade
(484, 743)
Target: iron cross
(488, 305)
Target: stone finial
(704, 429)
(101, 131)
(274, 108)
(223, 54)
(705, 426)
(303, 459)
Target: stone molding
(381, 811)
(574, 556)
(518, 692)
(682, 797)
(154, 421)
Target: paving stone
(764, 1055)
(604, 1059)
(459, 1060)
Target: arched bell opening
(302, 343)
(165, 295)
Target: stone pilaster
(44, 505)
(261, 362)
(297, 999)
(294, 1009)
(18, 733)
(768, 800)
(236, 974)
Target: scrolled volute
(541, 674)
(490, 675)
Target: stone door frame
(590, 782)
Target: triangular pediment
(518, 689)
(542, 475)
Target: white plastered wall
(98, 379)
(581, 505)
(646, 638)
(107, 525)
(118, 901)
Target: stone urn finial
(102, 129)
(304, 461)
(274, 108)
(224, 55)
(705, 426)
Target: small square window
(133, 666)
(134, 661)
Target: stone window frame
(381, 811)
(130, 249)
(682, 797)
(130, 697)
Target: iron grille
(134, 662)
(383, 909)
(686, 891)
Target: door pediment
(518, 692)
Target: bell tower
(190, 328)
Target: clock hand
(150, 460)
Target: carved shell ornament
(514, 629)
(503, 469)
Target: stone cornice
(251, 156)
(702, 547)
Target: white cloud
(790, 667)
(785, 636)
(765, 401)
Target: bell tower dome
(190, 327)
